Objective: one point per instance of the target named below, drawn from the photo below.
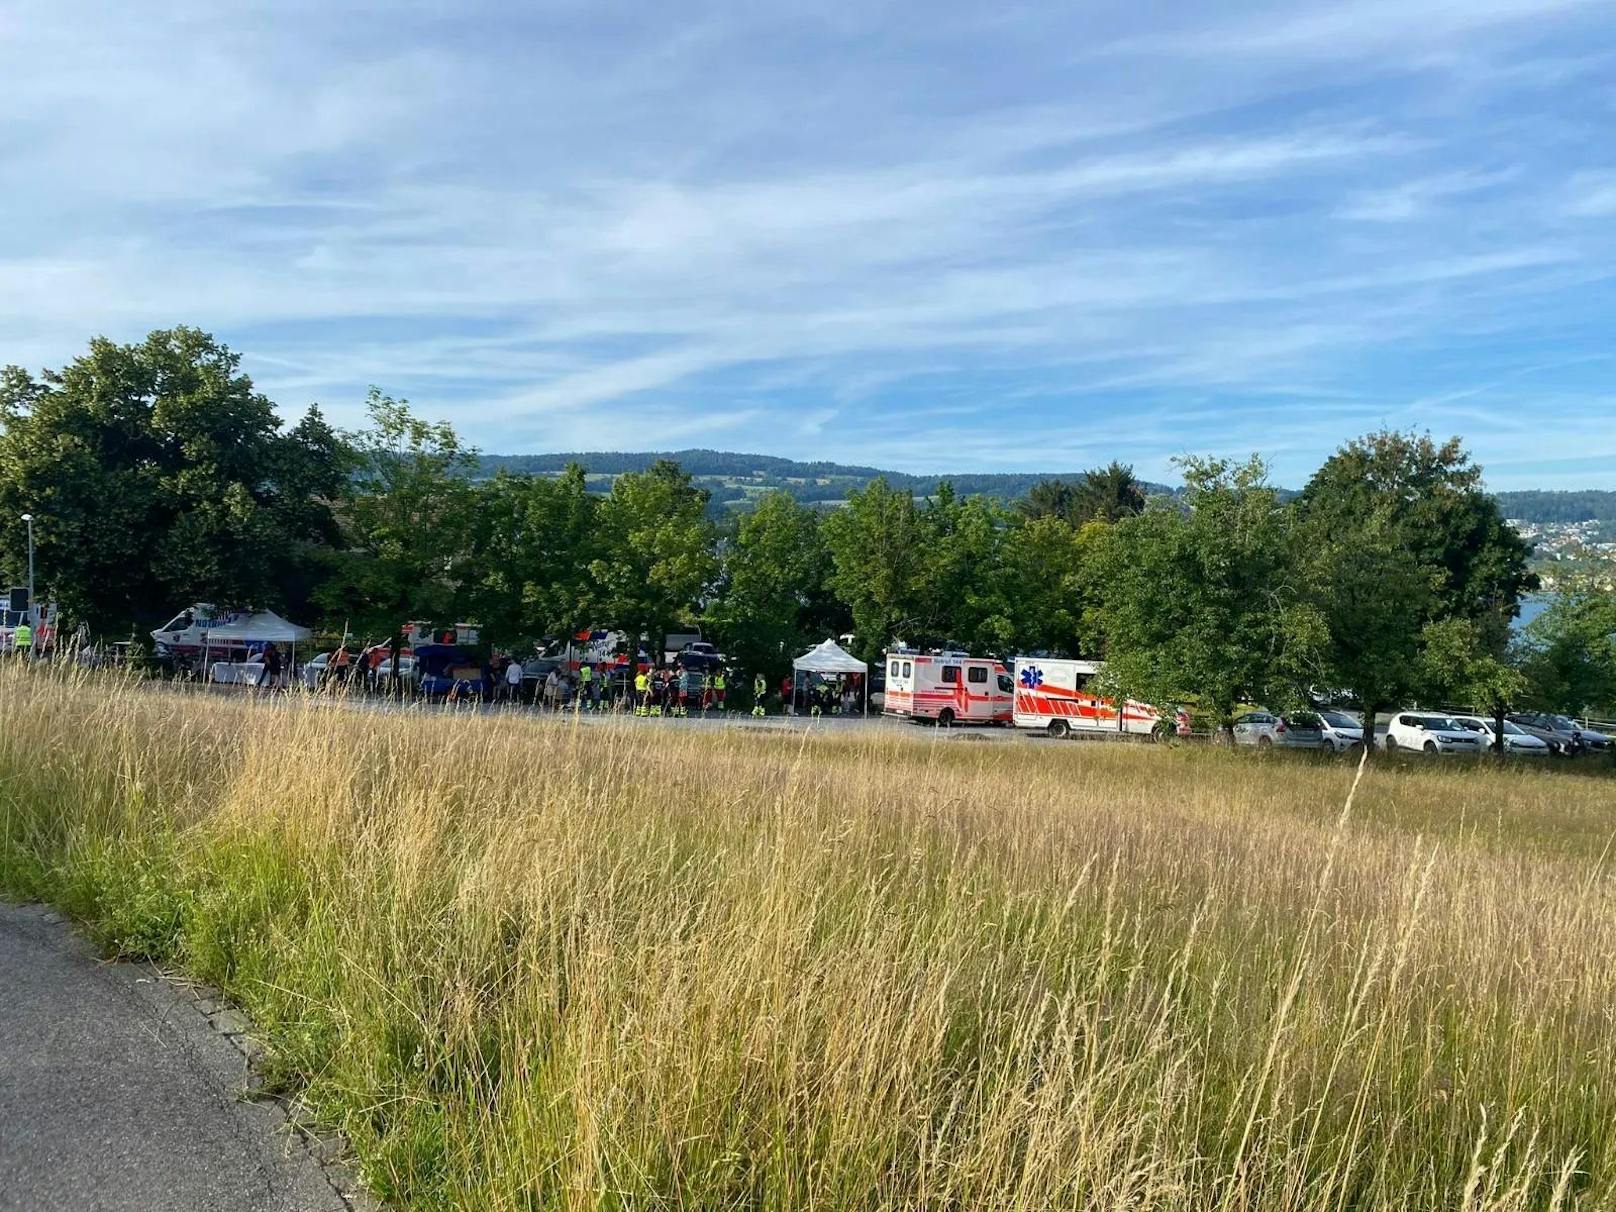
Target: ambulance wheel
(945, 718)
(1059, 728)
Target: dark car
(447, 669)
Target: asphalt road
(117, 1094)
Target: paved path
(118, 1095)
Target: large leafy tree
(158, 475)
(1105, 494)
(408, 523)
(772, 600)
(1048, 579)
(532, 539)
(1399, 535)
(655, 560)
(1570, 659)
(877, 543)
(1205, 603)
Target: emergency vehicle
(949, 687)
(186, 634)
(1052, 693)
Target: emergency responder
(718, 688)
(642, 693)
(22, 640)
(586, 682)
(760, 690)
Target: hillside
(733, 478)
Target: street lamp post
(33, 604)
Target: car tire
(1430, 748)
(1391, 742)
(945, 718)
(1265, 742)
(1059, 729)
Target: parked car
(1516, 739)
(699, 654)
(1562, 734)
(1431, 733)
(1265, 729)
(1341, 731)
(313, 671)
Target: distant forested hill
(734, 478)
(1537, 506)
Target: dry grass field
(531, 965)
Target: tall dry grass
(539, 965)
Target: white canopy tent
(827, 659)
(264, 627)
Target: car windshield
(1302, 719)
(1513, 729)
(1337, 720)
(1562, 723)
(1471, 725)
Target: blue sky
(929, 236)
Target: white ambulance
(1052, 693)
(949, 687)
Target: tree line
(158, 476)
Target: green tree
(1206, 603)
(408, 523)
(959, 594)
(157, 476)
(1570, 658)
(1398, 535)
(1105, 494)
(877, 543)
(1049, 579)
(655, 560)
(532, 539)
(772, 601)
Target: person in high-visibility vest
(760, 691)
(22, 640)
(642, 693)
(586, 678)
(718, 688)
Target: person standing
(586, 681)
(597, 685)
(271, 676)
(22, 640)
(513, 680)
(760, 691)
(718, 687)
(642, 693)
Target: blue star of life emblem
(1032, 677)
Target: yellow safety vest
(718, 681)
(585, 674)
(641, 682)
(23, 636)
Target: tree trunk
(1371, 710)
(1498, 727)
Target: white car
(1428, 732)
(1341, 731)
(1516, 738)
(313, 671)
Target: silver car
(1267, 730)
(1563, 735)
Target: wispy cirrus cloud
(894, 234)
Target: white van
(949, 687)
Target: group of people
(672, 690)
